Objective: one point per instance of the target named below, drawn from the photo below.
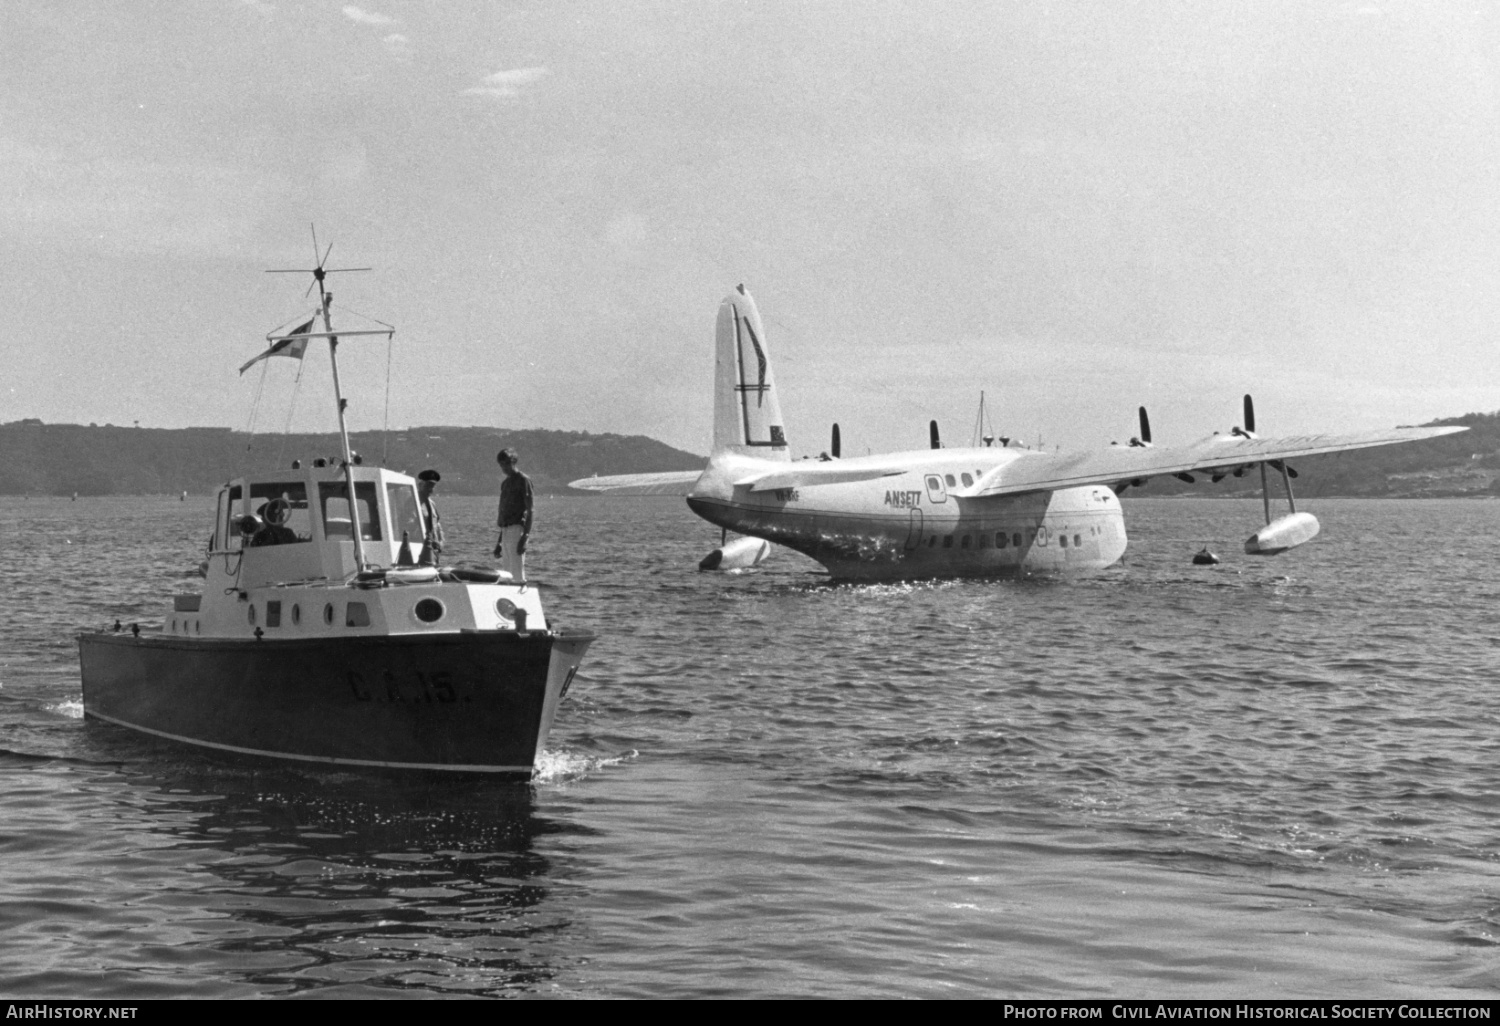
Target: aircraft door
(914, 533)
(936, 491)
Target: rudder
(747, 413)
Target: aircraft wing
(800, 475)
(1053, 470)
(670, 482)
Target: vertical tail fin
(747, 414)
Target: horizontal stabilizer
(809, 474)
(671, 482)
(1048, 471)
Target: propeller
(833, 450)
(1144, 441)
(1248, 431)
(932, 430)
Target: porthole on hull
(429, 610)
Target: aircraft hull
(1068, 531)
(470, 702)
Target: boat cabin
(298, 525)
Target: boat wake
(72, 708)
(561, 767)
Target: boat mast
(325, 299)
(320, 270)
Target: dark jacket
(434, 523)
(515, 501)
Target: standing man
(515, 514)
(432, 524)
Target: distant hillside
(1466, 464)
(59, 459)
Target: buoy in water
(1203, 557)
(739, 554)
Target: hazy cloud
(398, 46)
(504, 84)
(365, 17)
(129, 204)
(259, 7)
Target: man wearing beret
(432, 537)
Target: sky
(1074, 208)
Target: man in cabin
(515, 515)
(432, 536)
(275, 531)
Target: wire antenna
(320, 268)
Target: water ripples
(1274, 777)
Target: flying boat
(949, 512)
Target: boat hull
(478, 702)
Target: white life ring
(412, 575)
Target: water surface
(1271, 778)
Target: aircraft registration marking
(786, 495)
(903, 499)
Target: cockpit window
(226, 534)
(292, 510)
(405, 518)
(335, 499)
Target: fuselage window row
(1004, 539)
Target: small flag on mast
(288, 345)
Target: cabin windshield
(226, 534)
(334, 496)
(406, 520)
(298, 520)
